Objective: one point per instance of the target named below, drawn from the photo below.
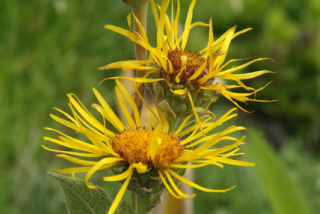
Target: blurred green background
(53, 47)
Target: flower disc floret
(185, 64)
(133, 146)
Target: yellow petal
(124, 109)
(195, 113)
(120, 194)
(109, 114)
(129, 65)
(187, 25)
(154, 144)
(198, 72)
(196, 185)
(73, 153)
(167, 186)
(134, 79)
(179, 91)
(164, 122)
(131, 102)
(105, 161)
(140, 167)
(77, 160)
(183, 195)
(119, 177)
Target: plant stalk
(139, 9)
(143, 203)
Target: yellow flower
(184, 72)
(140, 149)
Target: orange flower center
(189, 65)
(133, 146)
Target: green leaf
(82, 200)
(283, 191)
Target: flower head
(137, 150)
(195, 77)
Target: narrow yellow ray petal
(187, 25)
(134, 79)
(160, 27)
(78, 144)
(120, 194)
(198, 72)
(224, 49)
(154, 143)
(210, 143)
(196, 185)
(67, 115)
(74, 145)
(233, 162)
(176, 188)
(181, 126)
(167, 186)
(169, 31)
(112, 117)
(129, 65)
(211, 127)
(172, 25)
(210, 41)
(108, 117)
(64, 122)
(131, 102)
(164, 122)
(184, 61)
(237, 68)
(141, 28)
(225, 93)
(73, 170)
(188, 166)
(218, 43)
(220, 121)
(196, 24)
(105, 161)
(176, 23)
(101, 145)
(155, 12)
(146, 104)
(124, 109)
(121, 176)
(77, 160)
(252, 75)
(179, 91)
(88, 127)
(85, 113)
(73, 153)
(129, 20)
(211, 139)
(195, 113)
(214, 152)
(133, 36)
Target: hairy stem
(143, 203)
(139, 8)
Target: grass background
(51, 48)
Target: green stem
(143, 203)
(139, 9)
(133, 200)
